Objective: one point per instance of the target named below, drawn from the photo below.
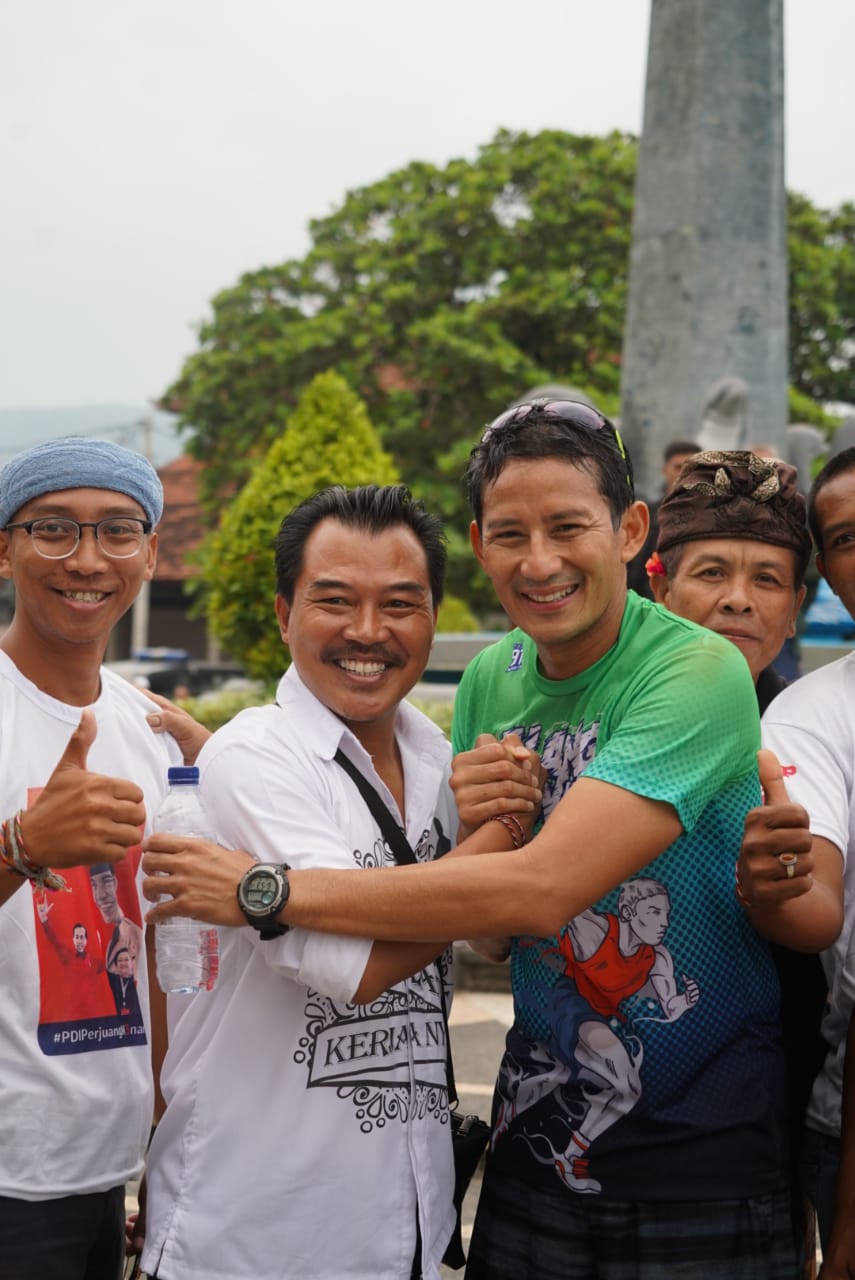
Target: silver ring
(788, 862)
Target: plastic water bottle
(188, 952)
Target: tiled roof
(181, 529)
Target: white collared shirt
(302, 1131)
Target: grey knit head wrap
(77, 462)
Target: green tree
(822, 299)
(329, 440)
(440, 294)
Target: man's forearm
(418, 902)
(533, 890)
(810, 923)
(391, 962)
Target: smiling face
(557, 563)
(361, 623)
(79, 939)
(742, 589)
(67, 607)
(835, 516)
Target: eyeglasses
(56, 537)
(571, 413)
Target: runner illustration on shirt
(606, 959)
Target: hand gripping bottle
(187, 951)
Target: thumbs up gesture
(772, 780)
(82, 817)
(775, 860)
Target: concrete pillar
(708, 266)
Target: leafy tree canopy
(822, 299)
(438, 294)
(442, 294)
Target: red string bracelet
(513, 826)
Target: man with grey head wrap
(76, 462)
(81, 773)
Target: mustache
(363, 653)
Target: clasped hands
(496, 777)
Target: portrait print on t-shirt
(89, 940)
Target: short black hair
(680, 446)
(102, 869)
(371, 508)
(843, 461)
(539, 434)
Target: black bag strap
(392, 833)
(401, 848)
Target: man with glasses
(640, 1110)
(81, 775)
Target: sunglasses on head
(571, 413)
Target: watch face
(261, 890)
(261, 895)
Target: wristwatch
(261, 895)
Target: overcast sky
(153, 150)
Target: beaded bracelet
(513, 826)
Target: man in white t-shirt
(810, 727)
(306, 1131)
(80, 772)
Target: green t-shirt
(669, 712)
(664, 976)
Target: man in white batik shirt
(306, 1131)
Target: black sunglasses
(572, 413)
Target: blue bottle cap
(183, 773)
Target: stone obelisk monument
(707, 298)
